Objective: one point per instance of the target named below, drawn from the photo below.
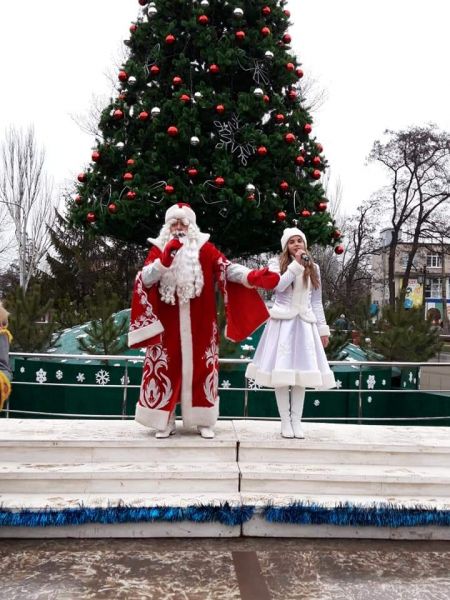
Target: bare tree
(418, 162)
(26, 193)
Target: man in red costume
(174, 316)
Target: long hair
(4, 314)
(310, 269)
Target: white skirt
(289, 353)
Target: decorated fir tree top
(209, 111)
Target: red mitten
(263, 278)
(170, 249)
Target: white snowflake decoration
(356, 382)
(338, 384)
(316, 402)
(22, 369)
(369, 399)
(122, 380)
(225, 384)
(252, 385)
(404, 384)
(81, 377)
(228, 139)
(410, 376)
(414, 380)
(41, 376)
(59, 374)
(247, 348)
(383, 382)
(102, 377)
(371, 382)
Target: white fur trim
(323, 330)
(151, 417)
(180, 212)
(187, 363)
(306, 379)
(202, 238)
(204, 417)
(296, 268)
(145, 333)
(290, 232)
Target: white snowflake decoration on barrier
(316, 402)
(41, 376)
(22, 369)
(252, 385)
(228, 134)
(59, 374)
(122, 380)
(410, 376)
(383, 382)
(81, 377)
(338, 384)
(369, 399)
(102, 377)
(225, 384)
(356, 382)
(371, 382)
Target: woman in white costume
(290, 354)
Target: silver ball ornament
(194, 141)
(258, 92)
(250, 188)
(132, 80)
(238, 13)
(269, 55)
(204, 3)
(156, 111)
(198, 95)
(120, 145)
(152, 11)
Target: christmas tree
(209, 111)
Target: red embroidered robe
(182, 340)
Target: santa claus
(174, 316)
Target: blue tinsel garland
(347, 514)
(224, 514)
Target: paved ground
(246, 569)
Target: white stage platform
(60, 467)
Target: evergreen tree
(406, 336)
(209, 111)
(31, 320)
(104, 335)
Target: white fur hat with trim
(290, 232)
(180, 211)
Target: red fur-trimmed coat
(182, 340)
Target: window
(404, 260)
(433, 288)
(434, 260)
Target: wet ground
(224, 569)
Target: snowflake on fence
(338, 384)
(383, 382)
(229, 133)
(316, 402)
(356, 382)
(225, 384)
(410, 376)
(252, 385)
(122, 380)
(369, 399)
(371, 382)
(102, 377)
(59, 374)
(22, 369)
(41, 376)
(81, 377)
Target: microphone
(305, 258)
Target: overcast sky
(382, 64)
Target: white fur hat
(290, 232)
(180, 211)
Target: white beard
(185, 275)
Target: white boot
(282, 396)
(169, 430)
(206, 432)
(297, 401)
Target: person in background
(290, 355)
(341, 323)
(5, 369)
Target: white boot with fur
(282, 396)
(297, 402)
(171, 428)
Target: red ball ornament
(90, 217)
(122, 96)
(203, 19)
(82, 177)
(143, 116)
(281, 216)
(154, 70)
(172, 131)
(240, 35)
(118, 114)
(279, 118)
(336, 234)
(339, 249)
(251, 197)
(262, 151)
(192, 172)
(316, 161)
(290, 66)
(307, 128)
(319, 148)
(265, 31)
(112, 208)
(284, 186)
(287, 12)
(321, 206)
(220, 108)
(130, 162)
(220, 181)
(299, 73)
(95, 156)
(185, 98)
(316, 174)
(289, 138)
(266, 10)
(286, 38)
(177, 80)
(123, 76)
(170, 39)
(305, 213)
(143, 2)
(131, 195)
(214, 69)
(78, 199)
(169, 189)
(266, 98)
(133, 27)
(292, 95)
(299, 161)
(128, 176)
